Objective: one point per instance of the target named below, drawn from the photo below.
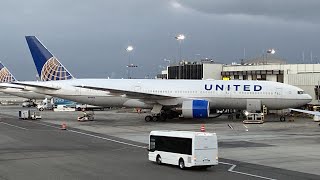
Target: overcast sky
(90, 37)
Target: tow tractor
(86, 116)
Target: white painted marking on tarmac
(245, 126)
(133, 145)
(112, 140)
(247, 174)
(99, 137)
(45, 125)
(14, 126)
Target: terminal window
(317, 92)
(187, 71)
(280, 78)
(245, 77)
(254, 77)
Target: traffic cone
(202, 129)
(63, 126)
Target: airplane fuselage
(221, 94)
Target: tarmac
(113, 146)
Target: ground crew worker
(291, 117)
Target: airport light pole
(269, 51)
(167, 60)
(180, 38)
(129, 49)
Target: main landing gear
(163, 116)
(155, 117)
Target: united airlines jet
(6, 77)
(166, 98)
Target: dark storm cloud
(90, 37)
(293, 10)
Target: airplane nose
(308, 97)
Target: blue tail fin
(49, 68)
(5, 74)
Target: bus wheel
(159, 160)
(181, 163)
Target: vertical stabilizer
(5, 74)
(49, 68)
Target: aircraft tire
(163, 117)
(148, 118)
(155, 118)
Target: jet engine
(195, 109)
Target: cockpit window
(300, 92)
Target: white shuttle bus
(183, 148)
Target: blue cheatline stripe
(200, 108)
(40, 54)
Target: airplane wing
(131, 94)
(37, 86)
(317, 113)
(7, 85)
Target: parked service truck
(88, 107)
(45, 106)
(29, 114)
(29, 103)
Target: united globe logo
(6, 76)
(53, 70)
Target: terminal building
(205, 69)
(305, 76)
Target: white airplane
(6, 77)
(166, 98)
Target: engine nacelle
(195, 109)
